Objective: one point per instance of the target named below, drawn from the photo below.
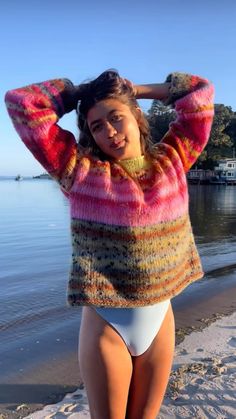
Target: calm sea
(35, 257)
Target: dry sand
(202, 384)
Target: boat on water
(42, 176)
(18, 177)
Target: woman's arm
(192, 98)
(152, 91)
(35, 111)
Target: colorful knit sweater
(131, 234)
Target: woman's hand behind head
(131, 86)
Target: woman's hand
(131, 86)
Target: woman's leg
(105, 366)
(151, 372)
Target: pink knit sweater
(131, 234)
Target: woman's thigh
(105, 366)
(151, 372)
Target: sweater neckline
(135, 165)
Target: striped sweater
(131, 234)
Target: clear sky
(144, 39)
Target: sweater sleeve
(35, 111)
(192, 98)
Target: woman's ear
(138, 115)
(138, 112)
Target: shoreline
(203, 379)
(199, 312)
(49, 383)
(202, 382)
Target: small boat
(18, 178)
(42, 176)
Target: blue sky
(144, 40)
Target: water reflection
(213, 212)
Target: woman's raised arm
(159, 91)
(35, 111)
(192, 98)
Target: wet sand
(48, 382)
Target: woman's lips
(118, 144)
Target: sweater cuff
(61, 93)
(69, 95)
(180, 85)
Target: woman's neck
(135, 165)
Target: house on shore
(200, 176)
(223, 174)
(227, 170)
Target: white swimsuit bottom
(137, 326)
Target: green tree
(220, 142)
(231, 131)
(159, 117)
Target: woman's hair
(109, 85)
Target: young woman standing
(133, 247)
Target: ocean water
(34, 259)
(35, 254)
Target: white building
(227, 169)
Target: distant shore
(41, 176)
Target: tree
(159, 117)
(231, 131)
(222, 119)
(222, 141)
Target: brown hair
(109, 85)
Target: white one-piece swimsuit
(137, 326)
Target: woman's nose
(110, 129)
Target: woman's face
(115, 129)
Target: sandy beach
(202, 383)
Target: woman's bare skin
(121, 386)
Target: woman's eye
(97, 127)
(116, 117)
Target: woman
(133, 248)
